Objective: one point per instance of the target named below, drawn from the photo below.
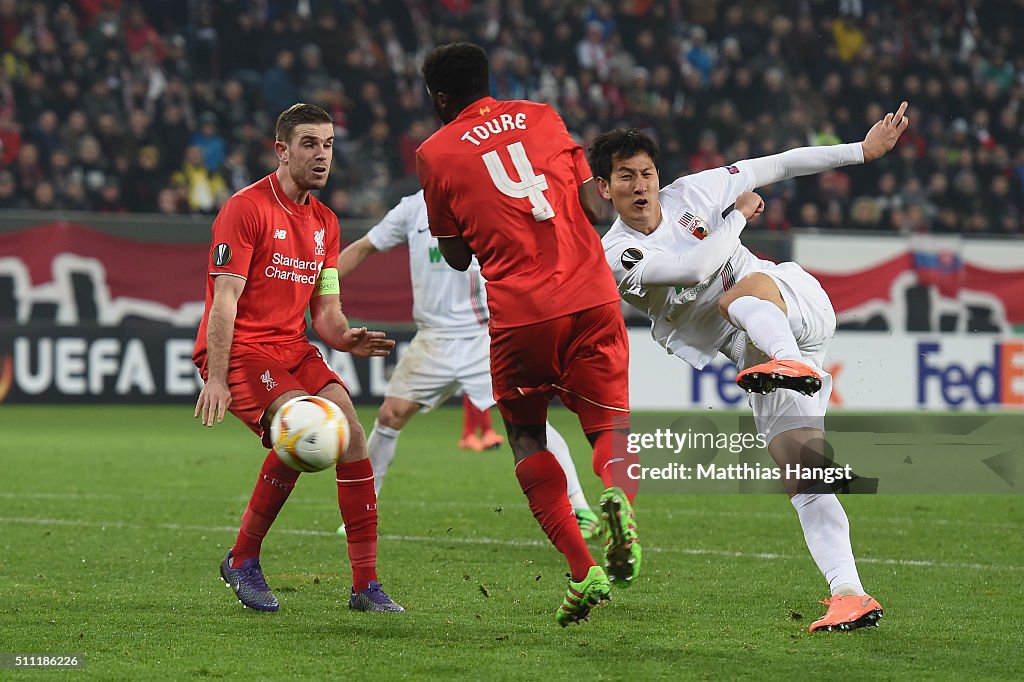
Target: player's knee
(395, 415)
(724, 301)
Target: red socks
(273, 486)
(358, 505)
(483, 419)
(612, 461)
(356, 500)
(473, 418)
(543, 481)
(469, 418)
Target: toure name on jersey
(502, 123)
(301, 272)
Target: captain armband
(327, 282)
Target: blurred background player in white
(474, 419)
(451, 349)
(677, 257)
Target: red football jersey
(278, 247)
(505, 177)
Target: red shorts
(583, 357)
(259, 375)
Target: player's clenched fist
(750, 204)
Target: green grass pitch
(114, 520)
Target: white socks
(381, 445)
(827, 533)
(560, 449)
(766, 326)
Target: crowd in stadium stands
(168, 105)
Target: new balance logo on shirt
(280, 234)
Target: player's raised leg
(756, 306)
(357, 502)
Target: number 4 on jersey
(530, 185)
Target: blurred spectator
(279, 89)
(714, 81)
(28, 171)
(8, 187)
(44, 197)
(204, 190)
(209, 140)
(91, 165)
(169, 202)
(774, 217)
(591, 52)
(865, 214)
(110, 200)
(145, 181)
(235, 170)
(10, 139)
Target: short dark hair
(458, 70)
(296, 115)
(619, 143)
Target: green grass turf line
(113, 521)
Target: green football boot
(622, 549)
(582, 596)
(590, 525)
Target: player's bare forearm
(456, 252)
(215, 397)
(353, 255)
(884, 134)
(332, 326)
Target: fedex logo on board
(998, 380)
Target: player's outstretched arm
(722, 184)
(883, 135)
(353, 255)
(331, 325)
(215, 398)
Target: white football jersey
(685, 321)
(445, 301)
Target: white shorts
(433, 369)
(813, 322)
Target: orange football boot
(768, 376)
(492, 440)
(471, 442)
(848, 612)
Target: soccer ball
(310, 433)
